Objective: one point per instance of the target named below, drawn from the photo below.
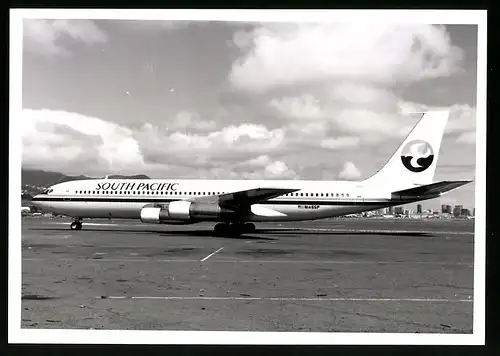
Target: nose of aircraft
(37, 201)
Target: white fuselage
(124, 198)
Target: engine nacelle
(182, 211)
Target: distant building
(419, 208)
(398, 210)
(446, 209)
(390, 210)
(457, 210)
(465, 212)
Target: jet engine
(182, 211)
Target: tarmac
(337, 275)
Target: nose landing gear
(76, 225)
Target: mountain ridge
(37, 178)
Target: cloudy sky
(243, 100)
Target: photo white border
(45, 336)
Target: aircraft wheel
(221, 229)
(236, 229)
(76, 225)
(249, 227)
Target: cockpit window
(48, 191)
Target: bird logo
(417, 156)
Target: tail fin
(414, 162)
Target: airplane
(235, 205)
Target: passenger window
(347, 195)
(342, 194)
(337, 195)
(321, 194)
(316, 194)
(326, 194)
(301, 194)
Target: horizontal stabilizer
(430, 190)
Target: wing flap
(430, 190)
(263, 211)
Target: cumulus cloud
(71, 142)
(74, 143)
(186, 120)
(230, 143)
(301, 53)
(462, 116)
(331, 120)
(301, 107)
(332, 81)
(265, 167)
(340, 142)
(350, 172)
(45, 36)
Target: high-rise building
(446, 209)
(457, 210)
(419, 208)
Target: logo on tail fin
(417, 156)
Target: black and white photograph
(244, 176)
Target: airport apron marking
(318, 299)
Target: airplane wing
(430, 190)
(244, 198)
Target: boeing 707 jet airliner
(234, 205)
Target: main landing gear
(225, 229)
(76, 224)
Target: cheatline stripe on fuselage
(163, 200)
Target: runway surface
(348, 275)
